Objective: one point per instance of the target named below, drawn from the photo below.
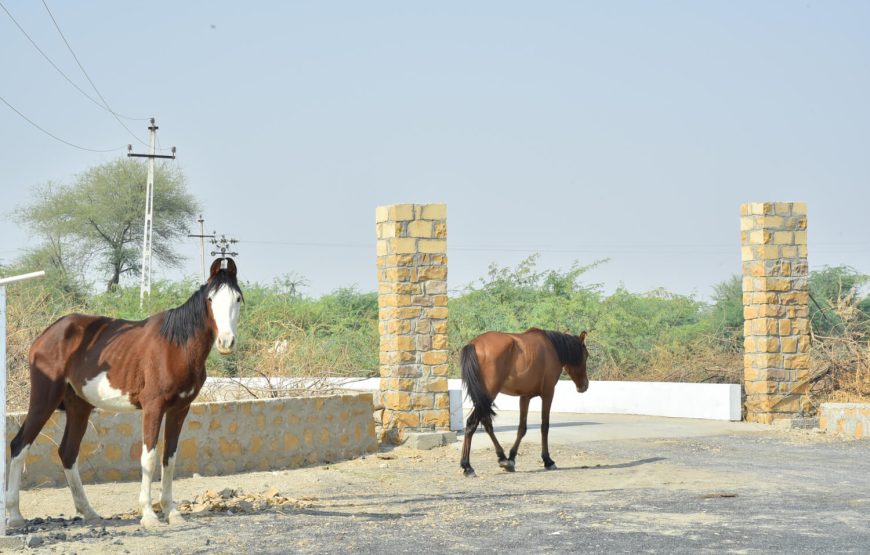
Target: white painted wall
(676, 400)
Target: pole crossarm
(223, 245)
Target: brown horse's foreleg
(45, 396)
(470, 428)
(77, 413)
(151, 417)
(521, 432)
(546, 402)
(174, 421)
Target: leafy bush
(632, 336)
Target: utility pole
(3, 283)
(202, 237)
(145, 286)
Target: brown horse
(155, 365)
(523, 364)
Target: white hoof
(15, 522)
(92, 518)
(175, 518)
(150, 521)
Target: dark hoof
(508, 465)
(469, 473)
(551, 466)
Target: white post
(202, 246)
(3, 282)
(145, 288)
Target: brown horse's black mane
(568, 347)
(182, 323)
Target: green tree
(834, 292)
(99, 218)
(726, 314)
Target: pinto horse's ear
(231, 266)
(582, 336)
(215, 267)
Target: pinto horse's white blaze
(16, 465)
(225, 308)
(80, 500)
(100, 393)
(149, 464)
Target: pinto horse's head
(224, 303)
(577, 372)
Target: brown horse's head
(577, 372)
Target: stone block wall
(849, 419)
(775, 308)
(412, 301)
(217, 438)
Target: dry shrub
(840, 363)
(302, 363)
(702, 359)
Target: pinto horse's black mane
(568, 347)
(182, 323)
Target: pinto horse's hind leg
(174, 421)
(45, 396)
(77, 413)
(470, 428)
(152, 415)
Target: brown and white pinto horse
(523, 364)
(155, 365)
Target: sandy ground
(738, 490)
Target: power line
(64, 75)
(88, 77)
(693, 249)
(52, 135)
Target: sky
(582, 131)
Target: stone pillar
(412, 301)
(776, 363)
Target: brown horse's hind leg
(77, 413)
(546, 402)
(502, 459)
(521, 432)
(470, 428)
(45, 396)
(174, 421)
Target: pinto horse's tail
(474, 385)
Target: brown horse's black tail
(474, 385)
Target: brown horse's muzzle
(584, 387)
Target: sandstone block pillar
(776, 363)
(412, 301)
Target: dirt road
(735, 488)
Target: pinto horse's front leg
(174, 421)
(152, 415)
